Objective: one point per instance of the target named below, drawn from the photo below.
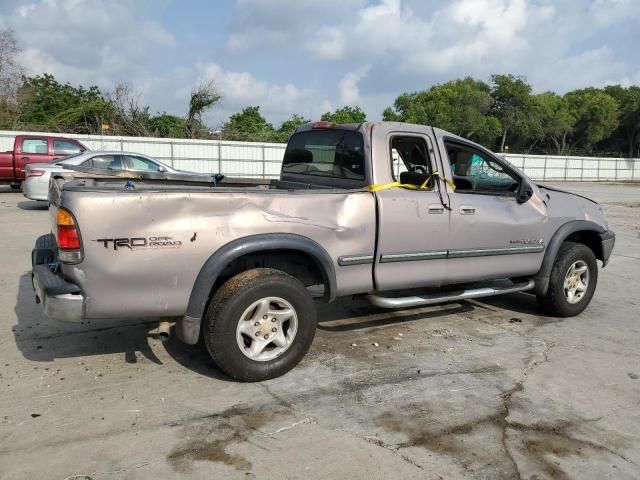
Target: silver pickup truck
(373, 210)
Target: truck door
(30, 150)
(413, 225)
(491, 234)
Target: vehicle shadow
(33, 205)
(40, 339)
(348, 315)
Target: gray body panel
(388, 240)
(141, 282)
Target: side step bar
(416, 301)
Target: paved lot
(479, 389)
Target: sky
(312, 56)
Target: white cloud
(241, 89)
(304, 56)
(326, 44)
(86, 41)
(348, 86)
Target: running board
(405, 302)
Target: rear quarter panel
(144, 281)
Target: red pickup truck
(33, 149)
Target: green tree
(289, 126)
(346, 114)
(555, 120)
(45, 102)
(202, 99)
(513, 105)
(460, 106)
(166, 126)
(596, 116)
(248, 125)
(628, 131)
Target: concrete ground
(478, 389)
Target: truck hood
(554, 189)
(572, 206)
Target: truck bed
(168, 229)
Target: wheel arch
(188, 328)
(579, 231)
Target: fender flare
(561, 234)
(188, 329)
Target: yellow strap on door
(385, 186)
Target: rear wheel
(572, 282)
(259, 324)
(16, 186)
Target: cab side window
(476, 172)
(36, 146)
(410, 161)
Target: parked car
(236, 265)
(36, 184)
(28, 149)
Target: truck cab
(34, 149)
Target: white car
(37, 175)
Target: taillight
(35, 173)
(68, 237)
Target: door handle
(436, 209)
(467, 209)
(24, 158)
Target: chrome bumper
(61, 300)
(67, 307)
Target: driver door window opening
(475, 171)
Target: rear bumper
(607, 241)
(60, 300)
(67, 307)
(36, 188)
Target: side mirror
(162, 169)
(525, 191)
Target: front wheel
(572, 282)
(16, 186)
(259, 324)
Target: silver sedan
(37, 175)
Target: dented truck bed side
(145, 249)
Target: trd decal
(136, 243)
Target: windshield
(325, 153)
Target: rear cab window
(331, 157)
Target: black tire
(555, 302)
(224, 312)
(16, 186)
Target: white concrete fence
(263, 160)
